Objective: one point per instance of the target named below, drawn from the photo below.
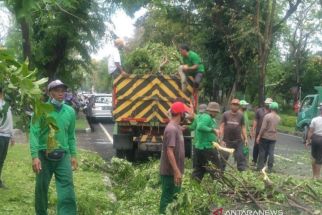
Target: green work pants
(4, 143)
(169, 192)
(62, 169)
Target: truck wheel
(120, 153)
(305, 133)
(125, 154)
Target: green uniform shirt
(246, 122)
(205, 132)
(193, 127)
(194, 59)
(65, 136)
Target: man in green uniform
(243, 108)
(206, 134)
(202, 109)
(192, 65)
(53, 152)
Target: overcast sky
(123, 27)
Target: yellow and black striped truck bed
(147, 98)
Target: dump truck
(308, 110)
(141, 106)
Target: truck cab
(308, 110)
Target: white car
(102, 108)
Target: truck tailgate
(147, 98)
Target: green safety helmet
(243, 103)
(273, 106)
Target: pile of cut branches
(151, 59)
(274, 192)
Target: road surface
(291, 157)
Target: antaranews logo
(221, 211)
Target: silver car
(102, 108)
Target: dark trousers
(205, 157)
(194, 157)
(238, 155)
(90, 123)
(198, 79)
(4, 144)
(255, 150)
(266, 151)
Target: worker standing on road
(6, 131)
(267, 138)
(207, 133)
(192, 65)
(59, 161)
(114, 59)
(315, 138)
(172, 156)
(257, 124)
(233, 131)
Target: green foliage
(312, 75)
(63, 35)
(288, 121)
(23, 90)
(137, 190)
(148, 59)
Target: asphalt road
(291, 157)
(99, 141)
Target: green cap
(243, 103)
(273, 106)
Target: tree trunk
(26, 46)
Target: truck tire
(125, 154)
(305, 133)
(121, 153)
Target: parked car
(102, 107)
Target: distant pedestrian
(114, 59)
(315, 138)
(59, 161)
(267, 138)
(233, 130)
(207, 133)
(6, 131)
(88, 109)
(257, 124)
(172, 156)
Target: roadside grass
(81, 123)
(287, 124)
(18, 199)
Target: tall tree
(267, 25)
(63, 34)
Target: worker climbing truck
(141, 106)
